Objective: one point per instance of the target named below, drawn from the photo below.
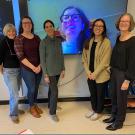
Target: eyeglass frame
(99, 26)
(70, 17)
(24, 23)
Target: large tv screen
(73, 32)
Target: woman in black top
(123, 71)
(10, 68)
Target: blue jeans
(32, 81)
(12, 79)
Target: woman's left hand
(125, 85)
(92, 77)
(62, 74)
(37, 69)
(1, 69)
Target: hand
(62, 74)
(37, 69)
(1, 69)
(125, 85)
(91, 76)
(46, 79)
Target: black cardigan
(7, 54)
(123, 57)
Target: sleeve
(85, 62)
(42, 53)
(18, 46)
(105, 59)
(130, 73)
(2, 51)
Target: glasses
(99, 26)
(26, 23)
(74, 17)
(11, 53)
(124, 21)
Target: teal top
(51, 56)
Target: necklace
(11, 53)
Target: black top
(123, 57)
(92, 56)
(7, 54)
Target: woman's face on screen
(71, 24)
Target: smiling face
(26, 25)
(49, 29)
(71, 24)
(11, 33)
(124, 23)
(98, 28)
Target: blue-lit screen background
(109, 10)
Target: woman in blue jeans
(10, 68)
(27, 50)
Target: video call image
(72, 23)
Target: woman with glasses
(27, 50)
(10, 69)
(122, 71)
(96, 59)
(75, 29)
(52, 63)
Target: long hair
(85, 33)
(20, 26)
(104, 33)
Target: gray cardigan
(51, 56)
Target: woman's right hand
(46, 79)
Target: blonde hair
(7, 28)
(132, 22)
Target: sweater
(51, 56)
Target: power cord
(72, 79)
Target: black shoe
(114, 126)
(109, 120)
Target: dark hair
(20, 26)
(104, 34)
(132, 22)
(85, 33)
(46, 21)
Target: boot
(34, 112)
(38, 109)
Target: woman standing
(10, 68)
(52, 63)
(96, 59)
(123, 71)
(27, 50)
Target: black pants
(119, 97)
(53, 94)
(97, 91)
